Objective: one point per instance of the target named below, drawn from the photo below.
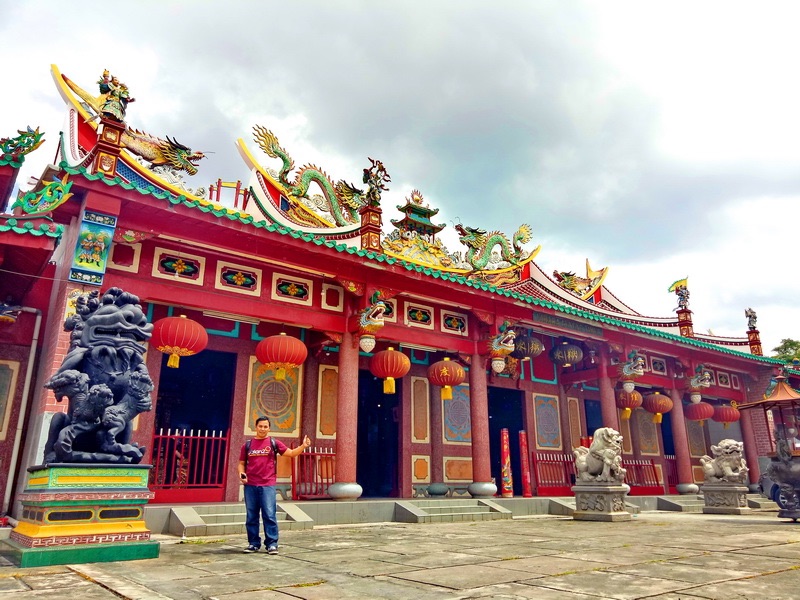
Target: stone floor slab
(463, 577)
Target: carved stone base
(437, 489)
(789, 513)
(725, 499)
(600, 502)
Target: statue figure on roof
(681, 290)
(115, 97)
(751, 318)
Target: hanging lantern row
(566, 354)
(658, 404)
(447, 374)
(527, 347)
(389, 365)
(698, 411)
(281, 352)
(726, 415)
(178, 336)
(628, 401)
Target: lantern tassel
(173, 361)
(657, 418)
(626, 413)
(280, 374)
(388, 385)
(447, 393)
(725, 425)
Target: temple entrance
(192, 428)
(505, 411)
(378, 437)
(594, 416)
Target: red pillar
(680, 440)
(346, 487)
(479, 416)
(437, 454)
(608, 402)
(750, 446)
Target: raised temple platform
(78, 513)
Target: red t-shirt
(261, 464)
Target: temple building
(548, 358)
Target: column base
(482, 489)
(598, 502)
(68, 555)
(438, 489)
(688, 488)
(725, 499)
(345, 491)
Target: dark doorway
(378, 437)
(594, 416)
(197, 396)
(666, 434)
(505, 411)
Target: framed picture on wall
(723, 379)
(658, 365)
(735, 382)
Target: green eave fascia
(429, 271)
(23, 227)
(12, 160)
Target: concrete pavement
(662, 555)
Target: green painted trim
(76, 554)
(25, 226)
(233, 333)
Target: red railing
(189, 465)
(671, 468)
(240, 194)
(554, 474)
(312, 474)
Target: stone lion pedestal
(600, 489)
(725, 498)
(600, 502)
(725, 489)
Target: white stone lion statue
(602, 460)
(728, 463)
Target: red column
(750, 446)
(437, 454)
(681, 442)
(608, 402)
(346, 487)
(479, 417)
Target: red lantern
(178, 336)
(698, 411)
(447, 374)
(389, 365)
(726, 415)
(658, 404)
(628, 401)
(566, 354)
(281, 352)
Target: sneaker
(250, 549)
(272, 550)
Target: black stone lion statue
(105, 380)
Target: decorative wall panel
(278, 400)
(455, 417)
(548, 422)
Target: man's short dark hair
(262, 419)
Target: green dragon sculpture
(155, 150)
(13, 150)
(342, 200)
(480, 245)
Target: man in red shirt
(258, 473)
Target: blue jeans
(261, 499)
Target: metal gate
(189, 466)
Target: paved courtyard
(656, 555)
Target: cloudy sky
(661, 139)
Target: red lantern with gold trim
(658, 404)
(628, 401)
(726, 415)
(698, 411)
(281, 352)
(178, 336)
(389, 365)
(447, 374)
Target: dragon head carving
(471, 236)
(633, 367)
(371, 318)
(502, 344)
(179, 157)
(701, 379)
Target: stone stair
(693, 503)
(227, 519)
(449, 510)
(759, 502)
